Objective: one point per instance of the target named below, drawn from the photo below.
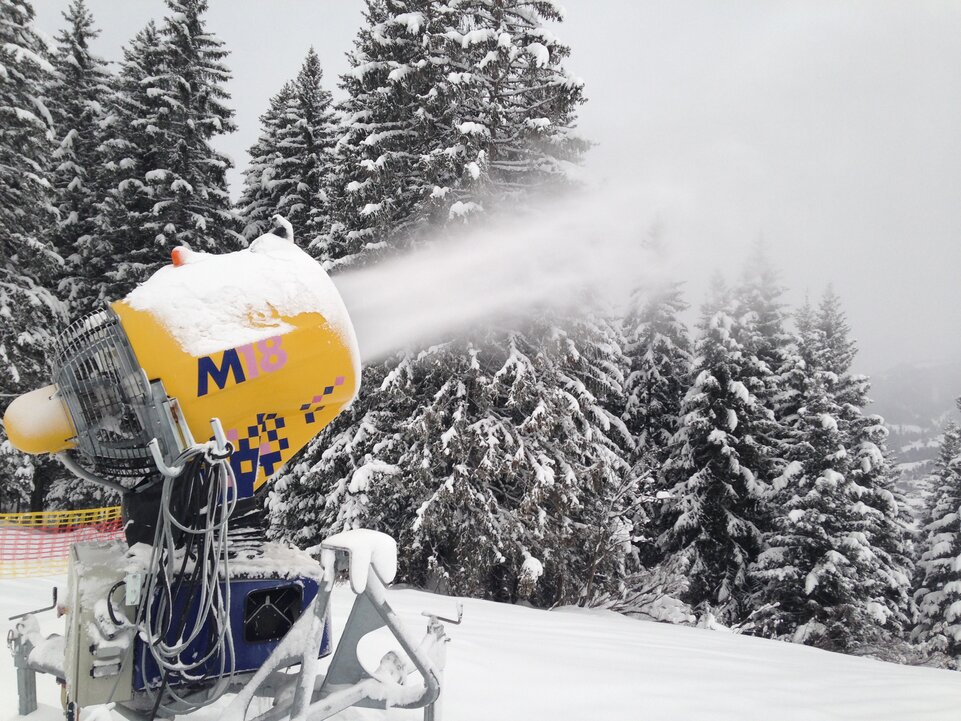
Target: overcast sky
(830, 129)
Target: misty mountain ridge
(916, 400)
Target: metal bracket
(52, 606)
(215, 451)
(459, 607)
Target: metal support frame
(26, 676)
(310, 695)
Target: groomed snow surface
(510, 663)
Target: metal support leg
(26, 676)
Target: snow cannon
(258, 339)
(186, 397)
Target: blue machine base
(260, 608)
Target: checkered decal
(317, 402)
(260, 447)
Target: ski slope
(510, 663)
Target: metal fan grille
(106, 393)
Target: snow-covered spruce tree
(760, 319)
(80, 97)
(189, 191)
(658, 347)
(448, 104)
(265, 182)
(659, 359)
(378, 188)
(416, 153)
(517, 472)
(885, 524)
(817, 572)
(799, 366)
(758, 299)
(28, 264)
(508, 108)
(127, 250)
(836, 573)
(717, 513)
(938, 596)
(291, 161)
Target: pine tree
(939, 593)
(80, 96)
(28, 264)
(267, 179)
(659, 359)
(127, 251)
(836, 573)
(165, 184)
(191, 204)
(816, 572)
(378, 182)
(449, 105)
(717, 514)
(525, 419)
(760, 312)
(292, 158)
(659, 350)
(329, 488)
(531, 449)
(760, 316)
(317, 129)
(885, 524)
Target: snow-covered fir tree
(658, 347)
(816, 571)
(717, 514)
(938, 595)
(265, 181)
(80, 98)
(127, 251)
(659, 359)
(329, 488)
(760, 320)
(378, 181)
(761, 314)
(517, 427)
(189, 190)
(29, 266)
(836, 572)
(448, 103)
(659, 353)
(291, 161)
(885, 524)
(165, 183)
(526, 441)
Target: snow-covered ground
(508, 663)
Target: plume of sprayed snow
(502, 270)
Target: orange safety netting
(38, 543)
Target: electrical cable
(186, 607)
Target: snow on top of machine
(213, 302)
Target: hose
(187, 597)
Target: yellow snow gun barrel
(258, 339)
